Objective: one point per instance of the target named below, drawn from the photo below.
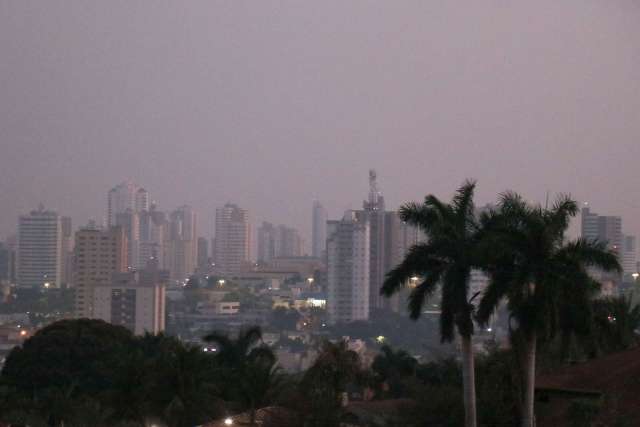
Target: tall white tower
(348, 269)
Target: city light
(228, 421)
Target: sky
(271, 104)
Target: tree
(615, 322)
(447, 260)
(542, 276)
(326, 380)
(248, 368)
(63, 364)
(392, 367)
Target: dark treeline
(90, 373)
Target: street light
(414, 281)
(635, 276)
(221, 282)
(228, 421)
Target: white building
(348, 269)
(39, 256)
(127, 301)
(318, 230)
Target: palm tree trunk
(528, 413)
(468, 382)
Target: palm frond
(590, 253)
(420, 260)
(463, 200)
(422, 292)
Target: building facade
(183, 243)
(130, 302)
(123, 197)
(278, 241)
(348, 269)
(318, 230)
(39, 257)
(232, 242)
(98, 254)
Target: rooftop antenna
(373, 186)
(546, 201)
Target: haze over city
(273, 104)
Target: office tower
(182, 244)
(277, 242)
(141, 200)
(603, 228)
(129, 220)
(232, 239)
(154, 232)
(318, 230)
(266, 242)
(373, 212)
(124, 197)
(39, 249)
(98, 255)
(203, 253)
(12, 246)
(67, 251)
(348, 256)
(290, 244)
(129, 301)
(629, 256)
(5, 256)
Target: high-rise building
(182, 244)
(603, 228)
(203, 253)
(629, 256)
(129, 301)
(318, 230)
(348, 257)
(39, 249)
(98, 254)
(232, 239)
(124, 197)
(129, 220)
(12, 246)
(67, 251)
(266, 242)
(373, 212)
(5, 257)
(154, 232)
(277, 242)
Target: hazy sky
(271, 104)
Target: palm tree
(447, 260)
(252, 377)
(539, 273)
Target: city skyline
(162, 96)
